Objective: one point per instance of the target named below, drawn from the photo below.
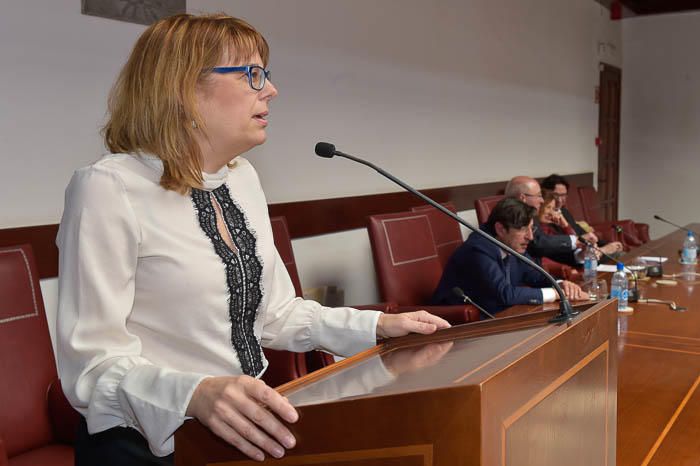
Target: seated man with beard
(493, 278)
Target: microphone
(652, 270)
(566, 312)
(675, 225)
(633, 296)
(467, 300)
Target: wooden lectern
(510, 391)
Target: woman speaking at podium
(169, 280)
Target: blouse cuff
(344, 331)
(150, 399)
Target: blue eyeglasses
(257, 75)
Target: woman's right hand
(559, 219)
(240, 410)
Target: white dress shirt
(151, 300)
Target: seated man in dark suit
(560, 188)
(560, 248)
(491, 277)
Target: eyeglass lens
(257, 77)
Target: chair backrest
(485, 205)
(284, 365)
(27, 364)
(283, 243)
(574, 204)
(591, 204)
(446, 231)
(405, 257)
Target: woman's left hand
(398, 325)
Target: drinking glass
(602, 289)
(597, 290)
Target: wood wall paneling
(305, 218)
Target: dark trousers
(118, 446)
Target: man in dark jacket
(491, 277)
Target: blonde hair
(152, 106)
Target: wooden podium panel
(514, 391)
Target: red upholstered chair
(408, 266)
(592, 209)
(484, 206)
(635, 234)
(284, 366)
(573, 203)
(562, 271)
(37, 425)
(446, 231)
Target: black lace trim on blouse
(243, 272)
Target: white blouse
(152, 300)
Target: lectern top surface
(467, 355)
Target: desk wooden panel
(512, 392)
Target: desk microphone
(566, 312)
(656, 270)
(633, 296)
(467, 300)
(675, 225)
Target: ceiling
(652, 7)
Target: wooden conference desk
(659, 369)
(658, 421)
(513, 391)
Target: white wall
(660, 140)
(447, 92)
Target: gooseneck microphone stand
(566, 311)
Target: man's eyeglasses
(257, 75)
(533, 195)
(559, 196)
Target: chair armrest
(455, 315)
(64, 419)
(3, 454)
(555, 269)
(642, 231)
(605, 231)
(628, 238)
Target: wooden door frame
(604, 137)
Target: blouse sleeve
(102, 371)
(297, 324)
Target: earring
(194, 124)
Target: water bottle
(590, 265)
(618, 287)
(690, 249)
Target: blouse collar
(210, 181)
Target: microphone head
(325, 149)
(458, 292)
(657, 217)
